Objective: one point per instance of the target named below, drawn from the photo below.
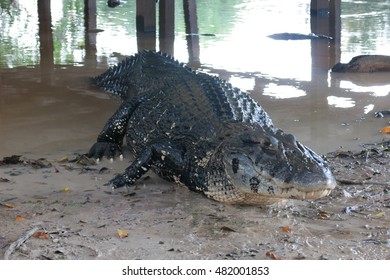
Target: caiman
(364, 64)
(298, 36)
(198, 130)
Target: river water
(57, 112)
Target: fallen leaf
(7, 205)
(14, 159)
(385, 130)
(129, 194)
(63, 159)
(83, 160)
(272, 255)
(20, 218)
(122, 233)
(65, 190)
(227, 229)
(323, 215)
(286, 229)
(104, 170)
(41, 235)
(39, 163)
(380, 214)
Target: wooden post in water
(191, 23)
(90, 15)
(325, 17)
(319, 7)
(46, 46)
(335, 20)
(167, 26)
(325, 20)
(321, 56)
(335, 31)
(90, 31)
(146, 16)
(146, 24)
(319, 17)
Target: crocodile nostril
(291, 139)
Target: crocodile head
(263, 166)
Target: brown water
(55, 110)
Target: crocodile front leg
(160, 155)
(110, 140)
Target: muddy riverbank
(72, 215)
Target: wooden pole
(90, 31)
(319, 7)
(191, 23)
(46, 45)
(335, 20)
(146, 16)
(319, 17)
(167, 26)
(190, 17)
(335, 31)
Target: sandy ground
(63, 201)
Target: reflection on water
(57, 109)
(341, 102)
(376, 91)
(281, 91)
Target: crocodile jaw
(278, 190)
(241, 195)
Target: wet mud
(59, 208)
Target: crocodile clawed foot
(108, 149)
(118, 182)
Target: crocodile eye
(267, 144)
(235, 164)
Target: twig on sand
(15, 245)
(364, 182)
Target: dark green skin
(197, 129)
